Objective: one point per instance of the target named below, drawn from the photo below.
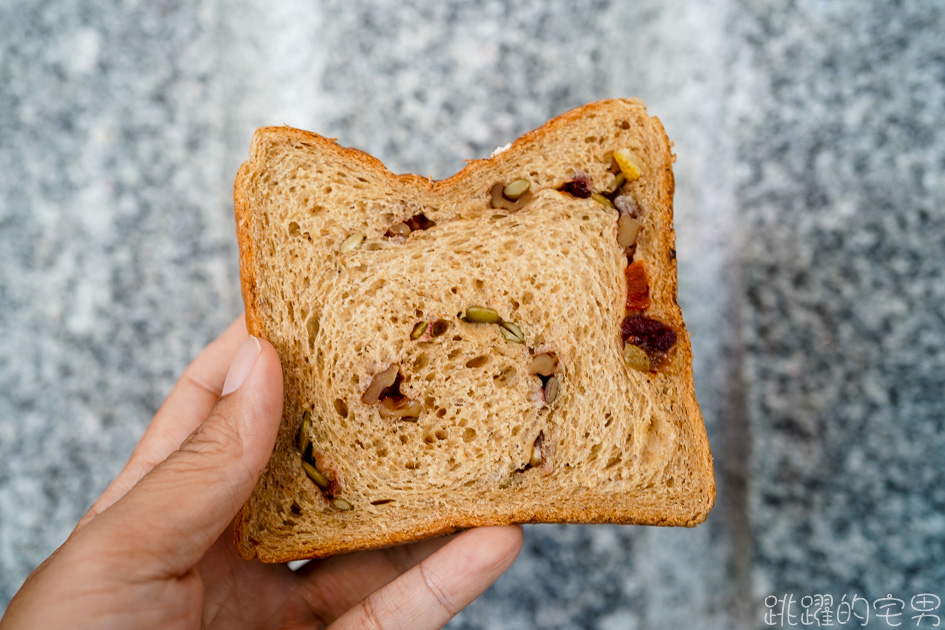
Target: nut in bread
(503, 346)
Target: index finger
(179, 415)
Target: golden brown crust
(641, 512)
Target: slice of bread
(458, 353)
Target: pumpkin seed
(544, 364)
(418, 330)
(516, 189)
(315, 475)
(602, 200)
(341, 504)
(482, 315)
(512, 332)
(552, 385)
(352, 242)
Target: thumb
(177, 511)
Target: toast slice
(503, 346)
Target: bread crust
(688, 510)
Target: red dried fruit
(579, 187)
(638, 291)
(651, 335)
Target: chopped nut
(399, 229)
(400, 407)
(516, 189)
(636, 357)
(545, 364)
(482, 315)
(552, 385)
(627, 205)
(537, 456)
(498, 200)
(512, 332)
(627, 162)
(535, 459)
(627, 230)
(380, 382)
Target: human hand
(156, 550)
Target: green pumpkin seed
(512, 332)
(418, 330)
(602, 200)
(482, 315)
(516, 189)
(352, 242)
(552, 385)
(341, 504)
(315, 475)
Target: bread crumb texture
(425, 419)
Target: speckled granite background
(811, 238)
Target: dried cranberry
(579, 187)
(638, 291)
(649, 334)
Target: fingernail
(242, 365)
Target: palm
(409, 586)
(252, 594)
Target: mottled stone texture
(811, 240)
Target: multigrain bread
(461, 353)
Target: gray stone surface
(811, 240)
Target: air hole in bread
(455, 352)
(477, 362)
(440, 434)
(441, 413)
(469, 435)
(341, 408)
(312, 326)
(506, 376)
(411, 465)
(327, 190)
(613, 461)
(595, 449)
(293, 228)
(382, 501)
